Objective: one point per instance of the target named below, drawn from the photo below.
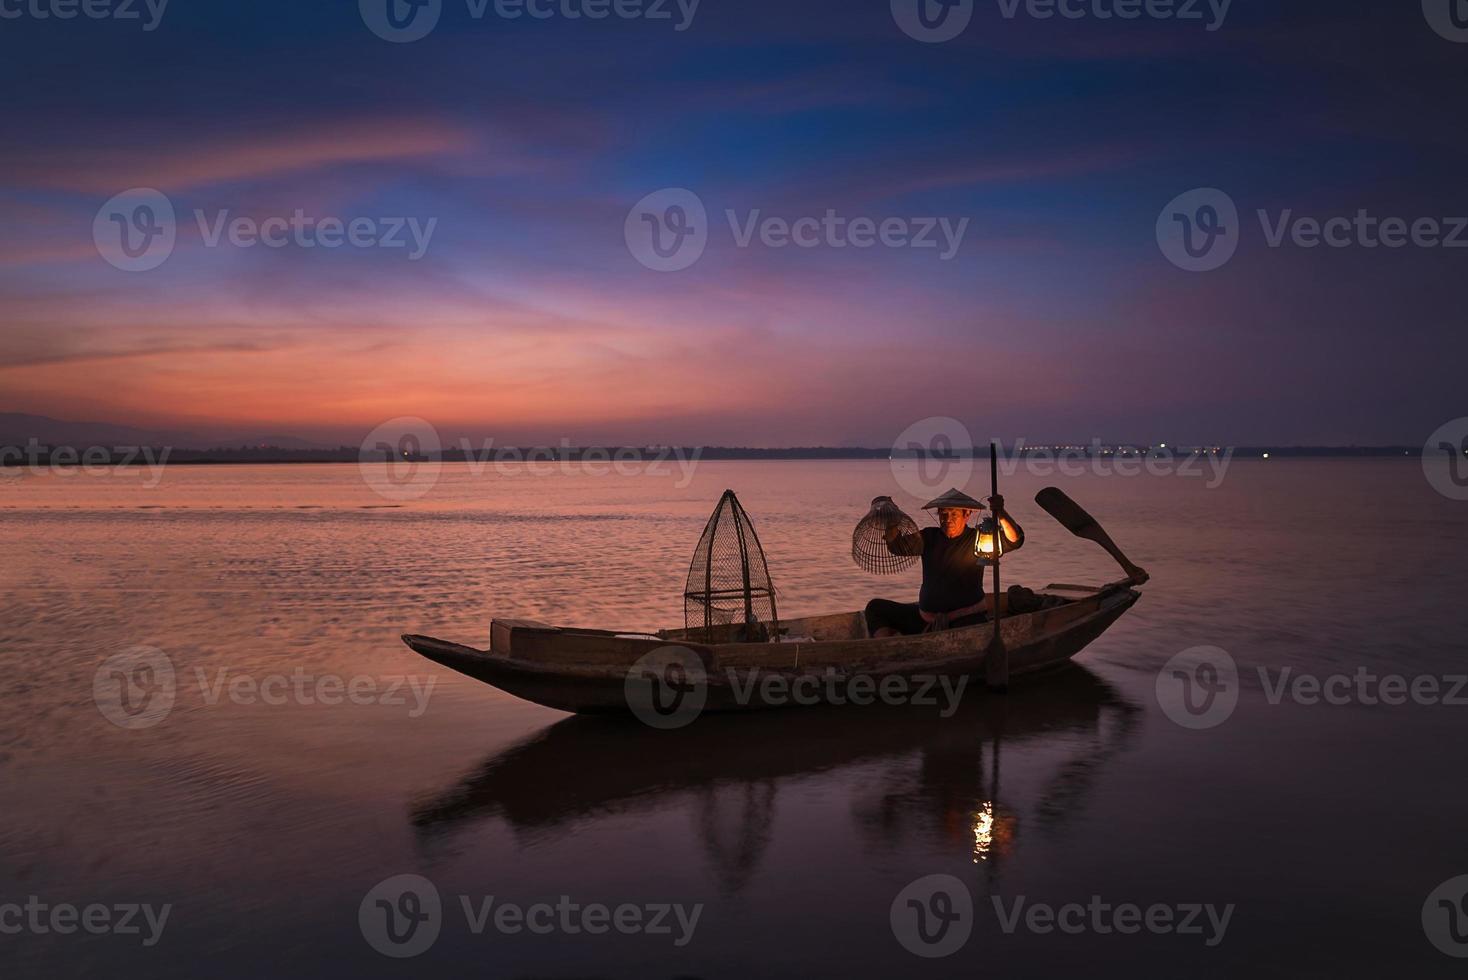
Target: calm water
(263, 826)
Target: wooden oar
(1083, 525)
(998, 660)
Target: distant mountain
(17, 429)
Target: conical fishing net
(869, 540)
(729, 597)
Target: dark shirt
(952, 575)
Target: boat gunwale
(901, 647)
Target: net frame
(869, 539)
(728, 596)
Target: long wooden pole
(998, 659)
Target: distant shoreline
(19, 456)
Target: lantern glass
(987, 539)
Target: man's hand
(937, 622)
(996, 503)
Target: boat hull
(587, 671)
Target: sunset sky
(528, 142)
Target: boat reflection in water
(1057, 735)
(934, 776)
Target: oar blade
(1075, 520)
(1069, 513)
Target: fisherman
(952, 593)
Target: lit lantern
(989, 538)
(986, 541)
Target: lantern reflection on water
(993, 832)
(983, 832)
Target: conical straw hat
(955, 499)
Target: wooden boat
(586, 670)
(813, 660)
